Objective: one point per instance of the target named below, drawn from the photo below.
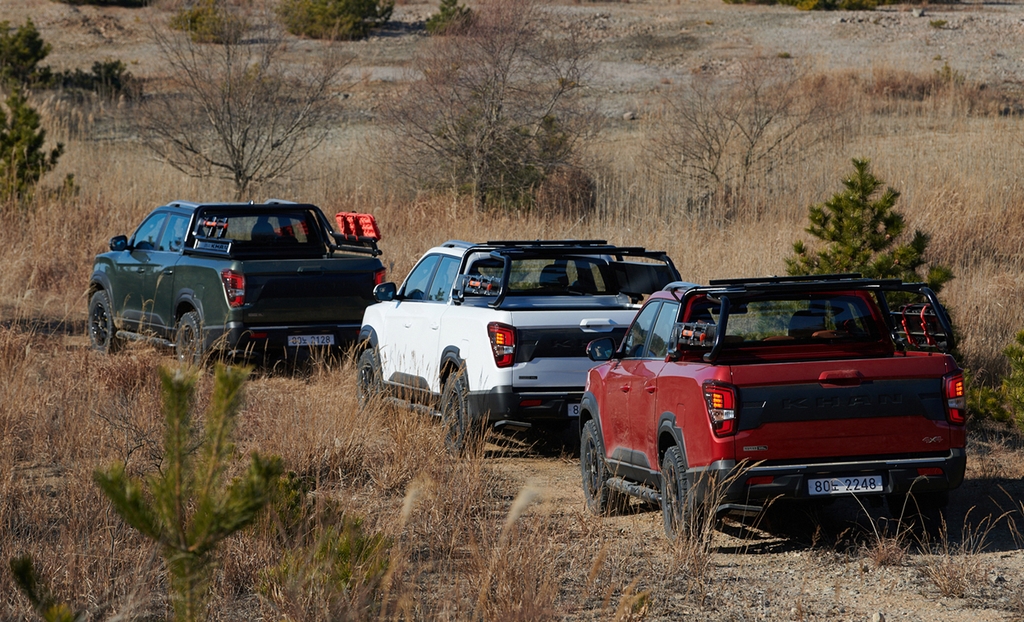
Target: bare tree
(237, 110)
(728, 133)
(495, 108)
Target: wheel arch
(669, 434)
(186, 303)
(589, 411)
(451, 362)
(367, 339)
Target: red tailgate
(843, 409)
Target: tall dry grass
(455, 552)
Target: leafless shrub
(726, 134)
(235, 110)
(495, 109)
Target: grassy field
(501, 536)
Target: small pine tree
(28, 580)
(1013, 385)
(188, 510)
(860, 229)
(20, 54)
(22, 157)
(449, 19)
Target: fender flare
(187, 296)
(367, 338)
(451, 356)
(590, 410)
(667, 424)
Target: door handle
(650, 388)
(624, 388)
(168, 271)
(140, 269)
(435, 326)
(408, 324)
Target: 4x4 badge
(755, 448)
(932, 439)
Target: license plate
(845, 485)
(311, 340)
(574, 410)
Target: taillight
(378, 276)
(503, 343)
(721, 403)
(956, 398)
(234, 287)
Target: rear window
(799, 319)
(266, 230)
(563, 275)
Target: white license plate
(845, 485)
(311, 340)
(574, 410)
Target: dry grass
(462, 546)
(957, 568)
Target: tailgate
(843, 409)
(298, 291)
(551, 349)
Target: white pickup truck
(495, 334)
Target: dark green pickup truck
(243, 279)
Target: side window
(662, 331)
(174, 235)
(441, 286)
(416, 283)
(145, 238)
(638, 332)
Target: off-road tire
(462, 434)
(677, 506)
(370, 385)
(601, 499)
(188, 339)
(102, 331)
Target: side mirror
(600, 350)
(385, 292)
(118, 243)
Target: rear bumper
(791, 481)
(241, 340)
(506, 407)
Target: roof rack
(787, 279)
(546, 243)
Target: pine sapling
(188, 508)
(861, 227)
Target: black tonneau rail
(922, 324)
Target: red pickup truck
(797, 388)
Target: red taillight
(234, 287)
(956, 398)
(378, 276)
(929, 472)
(529, 403)
(503, 343)
(721, 404)
(760, 480)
